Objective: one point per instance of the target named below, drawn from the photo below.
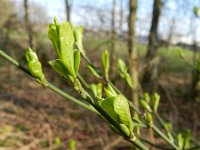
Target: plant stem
(154, 145)
(49, 85)
(136, 142)
(164, 137)
(83, 81)
(157, 130)
(70, 98)
(139, 144)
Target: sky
(186, 26)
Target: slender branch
(155, 129)
(164, 137)
(49, 85)
(136, 142)
(83, 81)
(154, 145)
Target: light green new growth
(35, 66)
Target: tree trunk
(195, 84)
(28, 24)
(133, 50)
(153, 35)
(67, 10)
(151, 73)
(121, 14)
(113, 39)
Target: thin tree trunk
(28, 24)
(133, 50)
(113, 39)
(121, 13)
(195, 85)
(153, 39)
(67, 10)
(151, 72)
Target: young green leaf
(145, 105)
(136, 118)
(66, 41)
(59, 67)
(129, 80)
(78, 35)
(122, 68)
(121, 108)
(93, 89)
(155, 101)
(123, 72)
(62, 38)
(58, 141)
(77, 59)
(107, 105)
(72, 144)
(93, 71)
(196, 11)
(53, 36)
(187, 137)
(118, 108)
(168, 127)
(99, 90)
(180, 140)
(125, 129)
(35, 66)
(147, 97)
(148, 118)
(106, 63)
(109, 91)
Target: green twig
(49, 85)
(157, 130)
(164, 137)
(136, 142)
(155, 145)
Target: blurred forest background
(161, 45)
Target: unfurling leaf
(187, 137)
(77, 60)
(106, 63)
(136, 118)
(109, 91)
(59, 67)
(118, 108)
(96, 90)
(35, 66)
(123, 72)
(148, 118)
(121, 108)
(147, 97)
(72, 144)
(180, 140)
(122, 68)
(196, 11)
(78, 35)
(145, 105)
(62, 38)
(168, 127)
(93, 71)
(155, 101)
(58, 141)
